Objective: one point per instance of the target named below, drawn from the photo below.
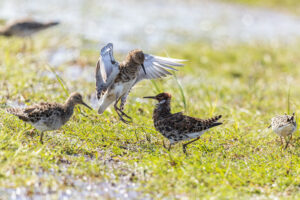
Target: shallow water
(70, 187)
(147, 24)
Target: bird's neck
(130, 64)
(129, 70)
(162, 109)
(69, 108)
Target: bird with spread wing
(114, 80)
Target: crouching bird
(48, 116)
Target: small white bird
(114, 80)
(284, 126)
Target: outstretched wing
(156, 67)
(106, 70)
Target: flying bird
(114, 80)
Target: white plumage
(114, 80)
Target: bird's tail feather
(213, 119)
(211, 122)
(17, 112)
(215, 124)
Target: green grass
(242, 159)
(292, 6)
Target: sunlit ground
(96, 156)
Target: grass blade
(183, 99)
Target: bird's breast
(120, 88)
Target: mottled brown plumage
(130, 67)
(178, 127)
(284, 126)
(24, 28)
(115, 80)
(48, 116)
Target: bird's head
(138, 57)
(76, 98)
(161, 98)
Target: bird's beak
(143, 68)
(86, 105)
(150, 97)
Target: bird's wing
(156, 67)
(185, 124)
(36, 112)
(106, 70)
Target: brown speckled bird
(284, 126)
(25, 28)
(114, 80)
(48, 116)
(178, 127)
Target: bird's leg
(23, 47)
(120, 114)
(123, 101)
(287, 142)
(41, 137)
(124, 114)
(31, 132)
(185, 145)
(169, 148)
(281, 140)
(164, 145)
(122, 108)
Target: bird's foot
(184, 149)
(122, 115)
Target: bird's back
(24, 28)
(283, 125)
(44, 116)
(182, 124)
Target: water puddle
(62, 55)
(70, 187)
(148, 24)
(77, 73)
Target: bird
(48, 116)
(115, 80)
(177, 127)
(284, 126)
(25, 27)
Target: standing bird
(25, 28)
(178, 127)
(48, 116)
(284, 126)
(114, 80)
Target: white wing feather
(107, 69)
(156, 67)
